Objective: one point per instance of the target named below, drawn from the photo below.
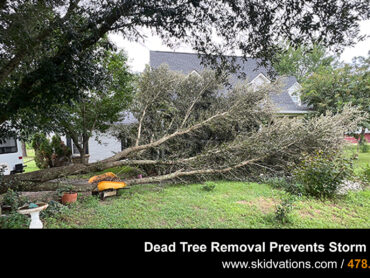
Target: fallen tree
(170, 108)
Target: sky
(138, 53)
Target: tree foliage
(97, 109)
(302, 61)
(50, 154)
(259, 140)
(167, 101)
(48, 47)
(333, 88)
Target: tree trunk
(362, 136)
(24, 149)
(31, 181)
(28, 181)
(85, 144)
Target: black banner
(194, 251)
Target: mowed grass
(362, 160)
(229, 205)
(29, 161)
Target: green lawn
(363, 158)
(29, 161)
(229, 205)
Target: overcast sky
(138, 53)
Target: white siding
(107, 147)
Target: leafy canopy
(99, 108)
(332, 88)
(48, 47)
(302, 61)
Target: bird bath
(35, 214)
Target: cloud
(360, 49)
(138, 52)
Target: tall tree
(302, 61)
(333, 88)
(264, 140)
(46, 45)
(97, 109)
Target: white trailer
(11, 160)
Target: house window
(259, 81)
(294, 93)
(126, 143)
(295, 98)
(73, 147)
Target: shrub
(43, 151)
(50, 154)
(209, 186)
(66, 188)
(321, 174)
(365, 174)
(53, 209)
(364, 147)
(13, 199)
(14, 221)
(2, 170)
(127, 171)
(283, 210)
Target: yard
(29, 161)
(228, 205)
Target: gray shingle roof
(188, 62)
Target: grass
(29, 161)
(363, 158)
(229, 205)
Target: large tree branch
(139, 127)
(182, 173)
(162, 140)
(25, 90)
(198, 97)
(58, 172)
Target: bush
(66, 188)
(14, 221)
(321, 174)
(365, 174)
(209, 186)
(53, 209)
(283, 210)
(13, 199)
(364, 147)
(50, 154)
(127, 172)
